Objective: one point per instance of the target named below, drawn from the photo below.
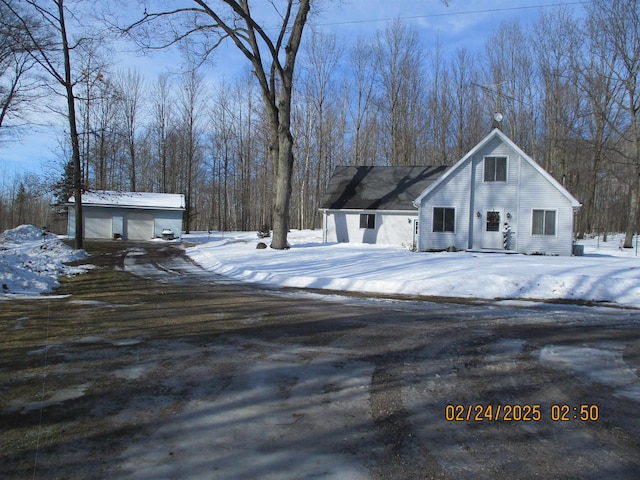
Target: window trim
(444, 220)
(368, 216)
(544, 222)
(484, 169)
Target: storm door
(492, 229)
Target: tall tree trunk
(73, 129)
(281, 129)
(282, 189)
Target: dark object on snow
(168, 234)
(261, 246)
(264, 232)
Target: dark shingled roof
(378, 188)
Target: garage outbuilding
(128, 215)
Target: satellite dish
(497, 117)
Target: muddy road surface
(149, 368)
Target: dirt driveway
(174, 373)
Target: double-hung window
(444, 219)
(368, 220)
(495, 169)
(544, 222)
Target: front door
(492, 229)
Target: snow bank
(31, 264)
(604, 274)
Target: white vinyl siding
(494, 195)
(454, 193)
(539, 195)
(391, 228)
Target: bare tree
(597, 112)
(361, 105)
(162, 119)
(618, 22)
(399, 62)
(555, 46)
(511, 74)
(19, 87)
(52, 51)
(222, 135)
(191, 109)
(94, 94)
(129, 86)
(439, 110)
(273, 59)
(319, 65)
(465, 104)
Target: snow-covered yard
(606, 273)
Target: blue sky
(464, 23)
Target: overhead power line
(450, 14)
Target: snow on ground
(31, 264)
(606, 273)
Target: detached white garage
(127, 215)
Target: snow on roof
(109, 198)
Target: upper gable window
(495, 169)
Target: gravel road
(148, 367)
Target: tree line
(566, 86)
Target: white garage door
(139, 226)
(97, 224)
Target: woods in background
(568, 90)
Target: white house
(496, 198)
(374, 204)
(127, 215)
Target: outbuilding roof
(377, 188)
(108, 198)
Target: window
(493, 221)
(495, 169)
(368, 220)
(444, 219)
(544, 222)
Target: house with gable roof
(497, 198)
